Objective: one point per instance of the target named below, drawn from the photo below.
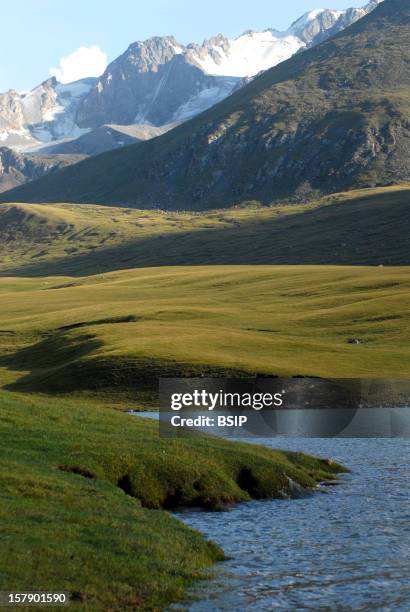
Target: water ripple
(344, 549)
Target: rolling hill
(331, 118)
(365, 227)
(119, 332)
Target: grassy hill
(332, 118)
(66, 522)
(366, 227)
(119, 332)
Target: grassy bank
(123, 330)
(67, 524)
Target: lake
(346, 548)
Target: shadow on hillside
(48, 361)
(371, 230)
(65, 363)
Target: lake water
(346, 549)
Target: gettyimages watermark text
(269, 407)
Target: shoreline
(76, 469)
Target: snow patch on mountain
(307, 18)
(253, 52)
(246, 55)
(204, 99)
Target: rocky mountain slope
(17, 169)
(105, 138)
(331, 118)
(158, 82)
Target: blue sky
(37, 34)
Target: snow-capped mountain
(46, 113)
(154, 82)
(253, 52)
(315, 26)
(159, 81)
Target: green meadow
(121, 331)
(92, 314)
(84, 486)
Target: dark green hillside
(329, 119)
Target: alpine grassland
(92, 316)
(122, 330)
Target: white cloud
(84, 62)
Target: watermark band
(268, 407)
